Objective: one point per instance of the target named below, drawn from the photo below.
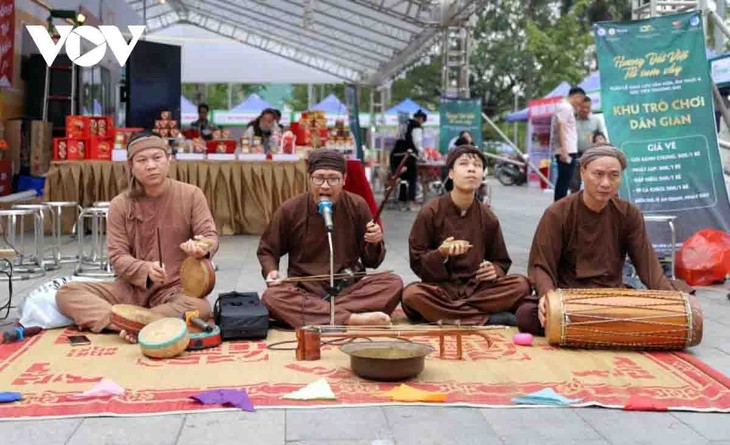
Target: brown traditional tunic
(298, 230)
(180, 213)
(449, 290)
(575, 247)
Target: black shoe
(502, 319)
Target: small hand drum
(164, 338)
(132, 318)
(197, 276)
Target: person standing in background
(409, 137)
(564, 139)
(587, 125)
(203, 125)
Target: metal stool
(57, 209)
(101, 204)
(48, 262)
(669, 220)
(96, 263)
(26, 266)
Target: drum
(132, 318)
(623, 318)
(203, 340)
(197, 277)
(164, 338)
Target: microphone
(325, 209)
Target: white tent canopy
(210, 58)
(367, 42)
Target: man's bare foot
(128, 337)
(369, 318)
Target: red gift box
(78, 127)
(77, 149)
(101, 149)
(229, 145)
(101, 126)
(60, 149)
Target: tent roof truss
(359, 41)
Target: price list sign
(657, 101)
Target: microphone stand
(332, 279)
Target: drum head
(553, 315)
(162, 333)
(197, 277)
(164, 338)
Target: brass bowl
(387, 361)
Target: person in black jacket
(410, 137)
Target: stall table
(242, 195)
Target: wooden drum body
(197, 277)
(132, 318)
(164, 338)
(622, 318)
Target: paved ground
(519, 210)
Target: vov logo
(71, 37)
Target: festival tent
(592, 86)
(331, 105)
(188, 111)
(405, 106)
(242, 113)
(410, 107)
(521, 115)
(253, 104)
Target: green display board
(456, 116)
(657, 102)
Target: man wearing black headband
(298, 229)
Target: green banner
(459, 115)
(657, 101)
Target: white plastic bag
(39, 308)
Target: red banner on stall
(542, 107)
(7, 39)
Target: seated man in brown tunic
(153, 202)
(297, 229)
(582, 240)
(457, 249)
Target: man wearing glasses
(299, 230)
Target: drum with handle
(132, 318)
(164, 338)
(197, 276)
(622, 318)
